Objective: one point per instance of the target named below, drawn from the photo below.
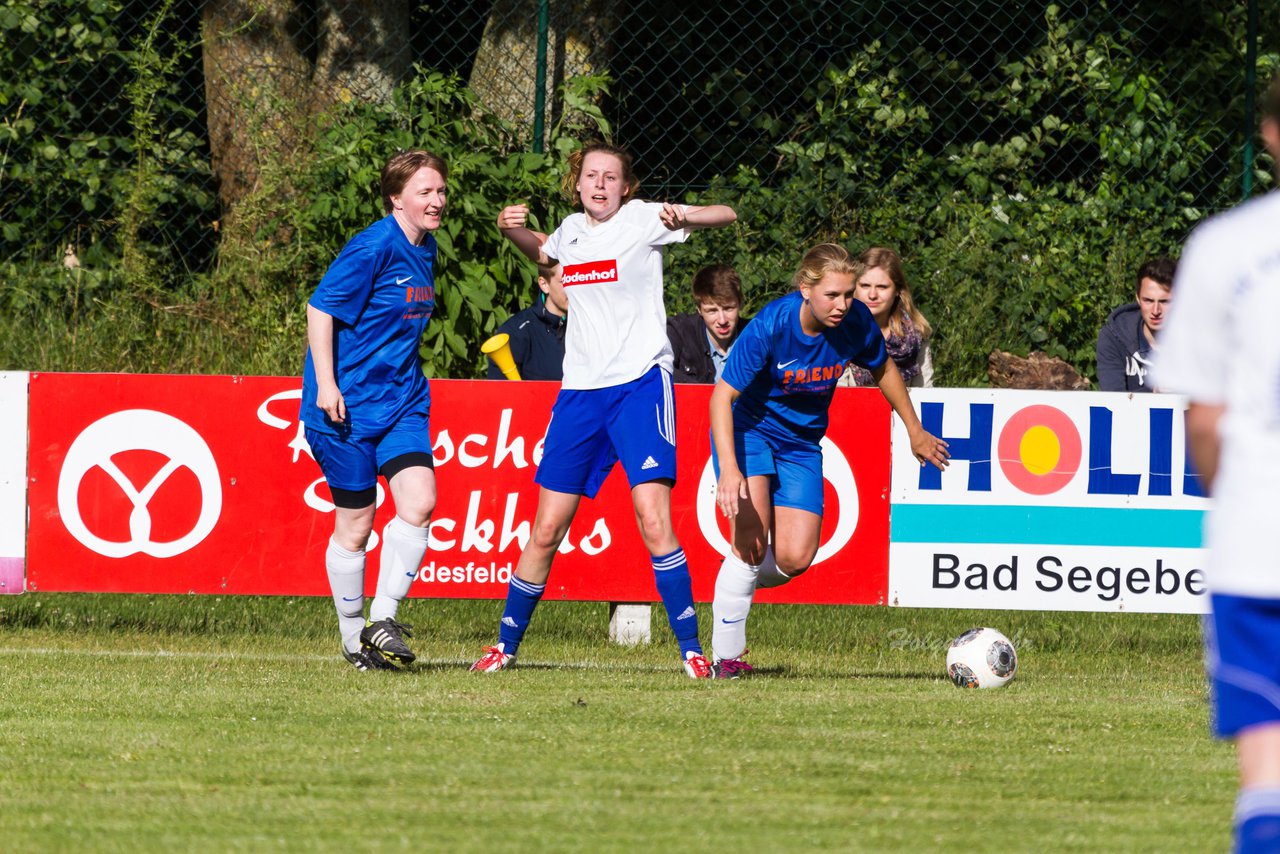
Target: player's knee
(752, 553)
(353, 535)
(655, 527)
(417, 512)
(547, 535)
(794, 563)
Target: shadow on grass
(776, 671)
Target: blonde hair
(569, 183)
(823, 259)
(886, 259)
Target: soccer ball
(981, 658)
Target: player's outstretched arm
(732, 486)
(1203, 440)
(320, 340)
(512, 221)
(696, 216)
(926, 447)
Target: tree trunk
(363, 52)
(505, 72)
(254, 72)
(274, 68)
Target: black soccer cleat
(386, 637)
(367, 659)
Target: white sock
(770, 575)
(346, 580)
(403, 546)
(735, 585)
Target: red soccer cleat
(697, 666)
(493, 660)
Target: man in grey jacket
(1127, 341)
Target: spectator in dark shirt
(1127, 341)
(537, 332)
(701, 341)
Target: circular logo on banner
(1040, 449)
(835, 468)
(139, 430)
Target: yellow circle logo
(1040, 450)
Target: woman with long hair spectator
(883, 288)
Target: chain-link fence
(134, 132)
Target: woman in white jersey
(615, 403)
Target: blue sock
(1257, 820)
(522, 598)
(671, 572)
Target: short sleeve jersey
(1219, 347)
(612, 275)
(380, 291)
(787, 377)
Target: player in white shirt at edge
(1220, 349)
(615, 403)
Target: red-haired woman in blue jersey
(365, 403)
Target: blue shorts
(591, 429)
(352, 463)
(1242, 646)
(794, 468)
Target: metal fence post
(1250, 95)
(540, 77)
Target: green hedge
(1067, 183)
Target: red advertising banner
(202, 484)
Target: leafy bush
(91, 115)
(1077, 185)
(333, 193)
(1023, 188)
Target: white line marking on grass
(161, 653)
(255, 656)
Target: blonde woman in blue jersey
(365, 403)
(768, 416)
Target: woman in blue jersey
(615, 402)
(768, 415)
(365, 403)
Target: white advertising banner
(1055, 501)
(13, 481)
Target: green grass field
(150, 723)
